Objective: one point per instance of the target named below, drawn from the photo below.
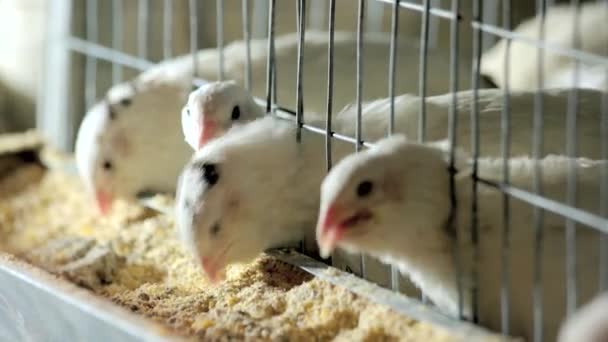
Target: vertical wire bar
(142, 28)
(316, 18)
(374, 16)
(330, 89)
(538, 213)
(571, 196)
(474, 234)
(330, 83)
(299, 95)
(273, 51)
(247, 39)
(452, 137)
(434, 25)
(301, 16)
(274, 76)
(219, 17)
(424, 41)
(490, 16)
(391, 93)
(167, 28)
(259, 19)
(505, 127)
(270, 56)
(392, 65)
(603, 272)
(360, 28)
(117, 37)
(359, 95)
(194, 37)
(90, 77)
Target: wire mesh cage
(97, 44)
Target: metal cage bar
(571, 151)
(219, 7)
(359, 96)
(270, 59)
(579, 55)
(505, 127)
(143, 9)
(300, 65)
(391, 93)
(90, 76)
(424, 40)
(167, 28)
(538, 213)
(535, 198)
(438, 12)
(117, 37)
(330, 83)
(474, 233)
(247, 39)
(453, 139)
(603, 271)
(194, 36)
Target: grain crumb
(132, 257)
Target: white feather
(559, 21)
(588, 324)
(408, 227)
(375, 120)
(143, 141)
(315, 59)
(375, 117)
(267, 193)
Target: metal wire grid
(571, 214)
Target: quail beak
(333, 225)
(214, 273)
(207, 132)
(329, 231)
(104, 201)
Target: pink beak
(329, 231)
(104, 202)
(208, 131)
(211, 270)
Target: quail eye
(215, 229)
(107, 165)
(125, 102)
(111, 113)
(236, 113)
(210, 174)
(364, 188)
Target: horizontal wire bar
(438, 12)
(394, 300)
(108, 54)
(581, 216)
(335, 135)
(515, 36)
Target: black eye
(188, 111)
(125, 102)
(215, 228)
(210, 174)
(111, 113)
(236, 113)
(107, 165)
(364, 188)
